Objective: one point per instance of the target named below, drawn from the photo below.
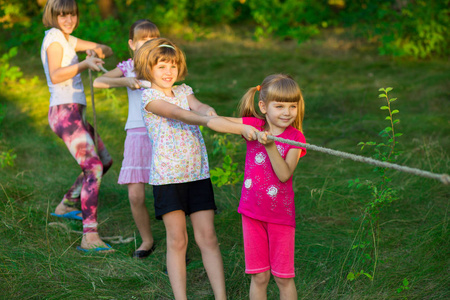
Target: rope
(117, 239)
(444, 178)
(91, 84)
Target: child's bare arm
(172, 111)
(102, 51)
(232, 125)
(59, 74)
(200, 107)
(115, 78)
(283, 168)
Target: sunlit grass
(340, 80)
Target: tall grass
(340, 81)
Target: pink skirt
(137, 157)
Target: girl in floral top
(179, 171)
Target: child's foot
(144, 250)
(62, 209)
(92, 241)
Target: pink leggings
(68, 121)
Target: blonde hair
(152, 52)
(278, 88)
(55, 8)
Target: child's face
(136, 45)
(67, 23)
(279, 115)
(164, 75)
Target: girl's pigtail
(247, 104)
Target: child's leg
(282, 249)
(136, 194)
(177, 240)
(206, 239)
(72, 197)
(67, 122)
(257, 262)
(258, 285)
(287, 288)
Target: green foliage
(9, 73)
(228, 173)
(402, 28)
(404, 286)
(6, 157)
(383, 194)
(290, 19)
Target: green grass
(340, 81)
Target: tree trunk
(107, 8)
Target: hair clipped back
(152, 52)
(55, 8)
(278, 88)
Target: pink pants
(268, 246)
(68, 121)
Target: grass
(340, 81)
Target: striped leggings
(68, 121)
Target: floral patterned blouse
(179, 152)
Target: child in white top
(137, 149)
(267, 199)
(67, 114)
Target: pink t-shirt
(264, 197)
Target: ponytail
(247, 104)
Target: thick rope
(118, 239)
(444, 178)
(91, 84)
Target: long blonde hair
(276, 87)
(153, 51)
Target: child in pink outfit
(267, 199)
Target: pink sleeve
(297, 136)
(126, 67)
(255, 122)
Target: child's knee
(284, 282)
(177, 241)
(92, 168)
(206, 239)
(137, 198)
(261, 278)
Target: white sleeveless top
(71, 90)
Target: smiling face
(279, 115)
(164, 75)
(67, 23)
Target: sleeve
(73, 41)
(54, 35)
(148, 95)
(185, 89)
(255, 122)
(125, 67)
(298, 136)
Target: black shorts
(189, 197)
